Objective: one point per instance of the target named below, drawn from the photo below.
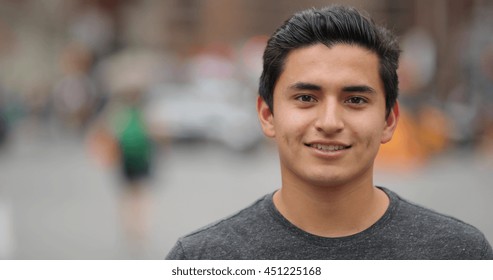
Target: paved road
(55, 203)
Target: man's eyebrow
(305, 86)
(359, 88)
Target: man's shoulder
(217, 240)
(241, 218)
(428, 226)
(422, 216)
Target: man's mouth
(329, 148)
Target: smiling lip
(328, 147)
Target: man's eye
(306, 98)
(356, 100)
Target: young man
(328, 98)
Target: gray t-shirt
(405, 231)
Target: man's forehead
(310, 66)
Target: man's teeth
(328, 147)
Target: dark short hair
(329, 26)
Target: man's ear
(390, 124)
(265, 117)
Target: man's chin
(328, 180)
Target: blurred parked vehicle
(200, 111)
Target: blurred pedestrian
(126, 136)
(136, 157)
(121, 138)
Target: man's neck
(332, 211)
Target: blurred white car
(218, 110)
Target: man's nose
(330, 117)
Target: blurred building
(179, 25)
(35, 34)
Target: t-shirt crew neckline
(337, 241)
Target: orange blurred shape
(404, 152)
(415, 140)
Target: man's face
(329, 116)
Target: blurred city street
(89, 86)
(55, 203)
(63, 206)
